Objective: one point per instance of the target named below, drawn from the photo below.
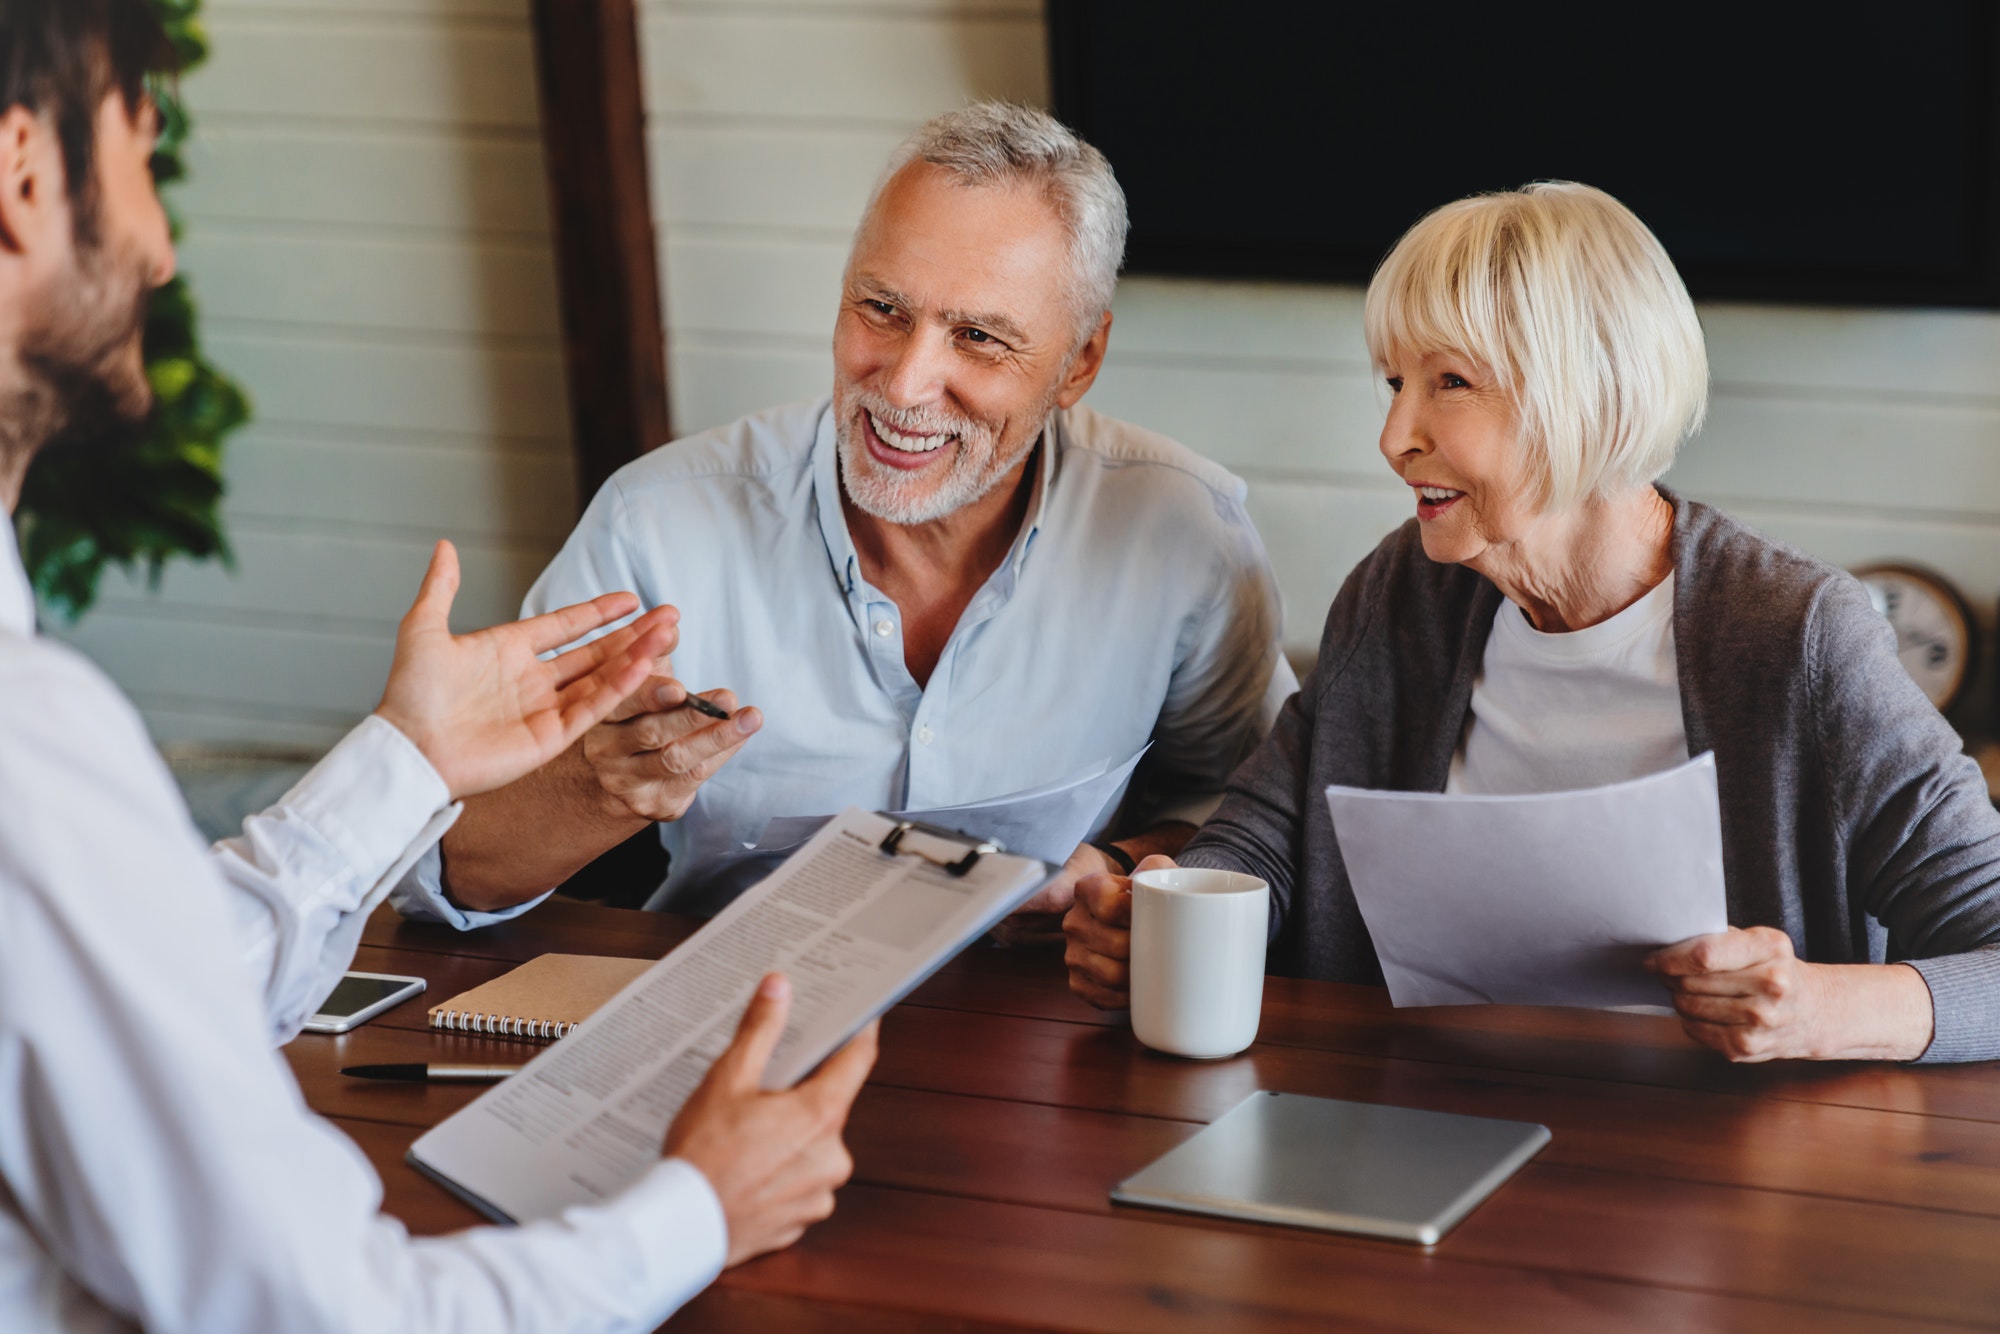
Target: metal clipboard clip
(892, 845)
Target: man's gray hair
(999, 143)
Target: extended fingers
(440, 585)
(834, 1085)
(566, 625)
(763, 1023)
(582, 704)
(644, 639)
(658, 693)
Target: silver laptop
(1338, 1166)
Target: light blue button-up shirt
(1136, 604)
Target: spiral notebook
(543, 998)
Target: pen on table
(432, 1073)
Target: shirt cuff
(420, 896)
(1965, 1006)
(371, 797)
(684, 1234)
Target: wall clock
(1935, 634)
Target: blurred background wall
(368, 237)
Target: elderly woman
(1554, 619)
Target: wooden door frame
(600, 208)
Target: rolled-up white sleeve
(593, 561)
(419, 895)
(155, 1159)
(307, 871)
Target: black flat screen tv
(1834, 153)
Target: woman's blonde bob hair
(1565, 296)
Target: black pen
(433, 1073)
(700, 705)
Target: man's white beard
(894, 497)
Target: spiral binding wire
(494, 1025)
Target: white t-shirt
(1553, 712)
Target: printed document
(856, 929)
(1045, 822)
(1543, 899)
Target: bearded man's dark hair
(62, 58)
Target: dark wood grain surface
(1679, 1192)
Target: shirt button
(885, 627)
(924, 734)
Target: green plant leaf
(157, 496)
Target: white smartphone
(359, 997)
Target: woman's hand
(1099, 931)
(1746, 994)
(484, 708)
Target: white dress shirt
(1136, 604)
(158, 1168)
(1583, 708)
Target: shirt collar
(17, 598)
(1050, 454)
(826, 499)
(833, 519)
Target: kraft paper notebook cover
(543, 998)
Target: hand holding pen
(657, 748)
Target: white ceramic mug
(1198, 960)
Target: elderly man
(946, 584)
(158, 1168)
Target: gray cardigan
(1851, 819)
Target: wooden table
(1679, 1192)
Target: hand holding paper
(773, 1159)
(1746, 994)
(854, 918)
(1544, 899)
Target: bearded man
(158, 1168)
(947, 583)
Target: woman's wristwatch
(1119, 857)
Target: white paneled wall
(1856, 434)
(368, 239)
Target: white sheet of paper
(1543, 899)
(1045, 822)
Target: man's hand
(1746, 994)
(1055, 897)
(1099, 928)
(773, 1159)
(654, 755)
(1167, 837)
(484, 708)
